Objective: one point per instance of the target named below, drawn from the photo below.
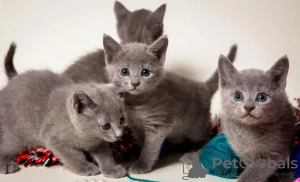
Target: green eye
(125, 72)
(238, 96)
(122, 120)
(145, 72)
(262, 97)
(106, 126)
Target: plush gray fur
(163, 105)
(43, 109)
(137, 26)
(8, 63)
(257, 130)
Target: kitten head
(98, 113)
(135, 67)
(139, 26)
(252, 96)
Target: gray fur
(43, 109)
(268, 130)
(138, 26)
(164, 105)
(9, 66)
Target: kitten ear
(226, 71)
(157, 16)
(82, 103)
(159, 48)
(111, 48)
(279, 71)
(120, 10)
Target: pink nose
(135, 84)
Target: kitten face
(102, 117)
(139, 26)
(135, 67)
(253, 96)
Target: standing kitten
(257, 116)
(43, 109)
(160, 105)
(138, 26)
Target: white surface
(165, 172)
(53, 33)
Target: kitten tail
(8, 63)
(213, 82)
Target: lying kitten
(257, 116)
(138, 26)
(43, 109)
(160, 105)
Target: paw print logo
(261, 163)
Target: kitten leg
(8, 153)
(199, 140)
(154, 138)
(8, 165)
(255, 173)
(74, 160)
(187, 157)
(108, 166)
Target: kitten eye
(122, 120)
(262, 97)
(238, 96)
(145, 72)
(124, 72)
(106, 126)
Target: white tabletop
(167, 170)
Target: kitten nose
(249, 105)
(135, 84)
(118, 134)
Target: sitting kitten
(43, 109)
(138, 26)
(160, 105)
(257, 116)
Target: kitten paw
(115, 172)
(88, 169)
(139, 168)
(187, 158)
(8, 167)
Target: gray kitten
(138, 26)
(43, 109)
(160, 105)
(257, 116)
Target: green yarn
(137, 179)
(218, 147)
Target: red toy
(37, 157)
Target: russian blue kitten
(160, 105)
(43, 109)
(257, 116)
(138, 26)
